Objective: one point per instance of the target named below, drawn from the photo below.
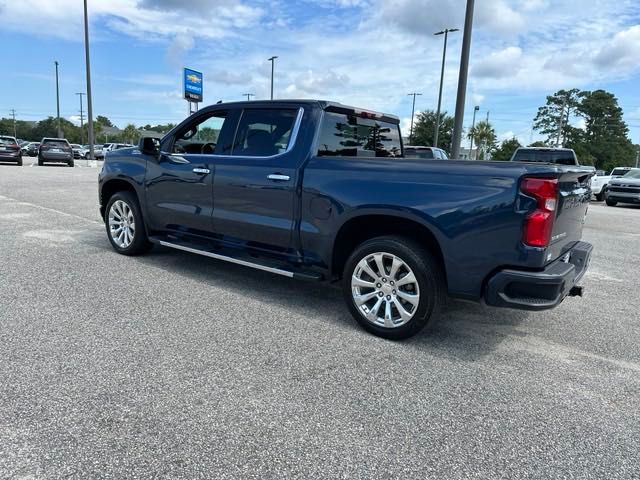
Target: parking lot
(175, 366)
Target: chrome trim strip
(257, 266)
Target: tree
(506, 149)
(104, 121)
(555, 116)
(160, 128)
(130, 133)
(484, 137)
(606, 135)
(538, 143)
(424, 129)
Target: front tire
(611, 203)
(393, 286)
(125, 226)
(600, 196)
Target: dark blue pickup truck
(321, 191)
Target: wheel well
(361, 229)
(111, 188)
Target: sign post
(192, 81)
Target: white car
(599, 183)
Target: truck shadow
(464, 331)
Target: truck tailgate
(573, 201)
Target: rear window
(56, 143)
(343, 135)
(426, 154)
(7, 141)
(550, 156)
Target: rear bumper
(56, 157)
(540, 290)
(11, 155)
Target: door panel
(179, 198)
(255, 187)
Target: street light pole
(15, 130)
(444, 57)
(88, 68)
(462, 79)
(80, 94)
(58, 101)
(413, 111)
(473, 125)
(248, 95)
(273, 62)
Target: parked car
(55, 150)
(562, 156)
(625, 189)
(319, 191)
(427, 153)
(599, 183)
(79, 151)
(10, 150)
(30, 149)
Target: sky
(366, 53)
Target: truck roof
(324, 104)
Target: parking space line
(47, 209)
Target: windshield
(633, 174)
(7, 141)
(619, 172)
(551, 156)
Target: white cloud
(500, 64)
(623, 51)
(477, 99)
(311, 84)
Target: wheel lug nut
(381, 294)
(394, 292)
(384, 280)
(379, 285)
(388, 297)
(392, 282)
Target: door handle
(202, 171)
(278, 177)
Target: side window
(345, 135)
(200, 137)
(436, 154)
(443, 154)
(264, 132)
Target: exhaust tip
(576, 291)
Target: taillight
(539, 224)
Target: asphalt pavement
(171, 365)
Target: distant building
(466, 154)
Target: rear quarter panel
(470, 207)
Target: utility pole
(413, 111)
(15, 131)
(273, 62)
(58, 101)
(444, 57)
(473, 125)
(88, 68)
(488, 111)
(462, 79)
(80, 94)
(248, 95)
(560, 122)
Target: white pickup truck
(599, 182)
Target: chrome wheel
(122, 226)
(385, 290)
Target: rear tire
(125, 226)
(71, 163)
(611, 203)
(40, 162)
(400, 301)
(19, 162)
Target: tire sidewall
(428, 282)
(140, 240)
